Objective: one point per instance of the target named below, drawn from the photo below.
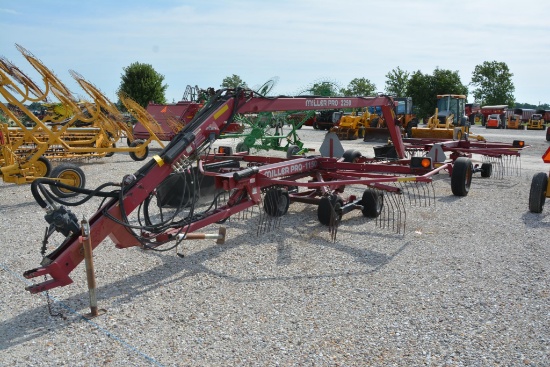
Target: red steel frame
(327, 173)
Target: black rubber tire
(461, 178)
(548, 134)
(351, 155)
(276, 202)
(68, 171)
(110, 154)
(315, 126)
(486, 169)
(537, 194)
(241, 147)
(373, 203)
(139, 157)
(292, 150)
(42, 167)
(329, 206)
(410, 125)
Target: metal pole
(90, 273)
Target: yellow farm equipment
(536, 122)
(448, 122)
(78, 130)
(514, 122)
(352, 127)
(376, 128)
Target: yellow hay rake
(77, 129)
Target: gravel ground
(465, 285)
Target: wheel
(71, 175)
(351, 156)
(141, 153)
(373, 202)
(110, 154)
(461, 178)
(242, 147)
(42, 167)
(537, 194)
(329, 211)
(352, 135)
(548, 134)
(276, 202)
(486, 169)
(315, 126)
(410, 125)
(457, 133)
(292, 150)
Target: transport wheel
(329, 210)
(141, 153)
(537, 194)
(276, 202)
(242, 147)
(315, 126)
(72, 175)
(292, 150)
(461, 178)
(351, 155)
(373, 202)
(110, 154)
(486, 169)
(548, 134)
(42, 167)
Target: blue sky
(299, 42)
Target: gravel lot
(466, 285)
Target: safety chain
(47, 294)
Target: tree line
(491, 84)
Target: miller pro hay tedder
(165, 201)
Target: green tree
(143, 84)
(233, 82)
(397, 81)
(325, 89)
(424, 88)
(493, 84)
(359, 87)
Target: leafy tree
(325, 89)
(35, 106)
(143, 84)
(233, 82)
(424, 88)
(359, 87)
(419, 88)
(448, 82)
(397, 81)
(493, 82)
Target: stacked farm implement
(84, 130)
